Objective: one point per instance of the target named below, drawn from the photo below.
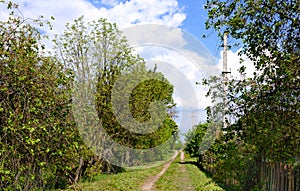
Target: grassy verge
(198, 179)
(154, 164)
(132, 179)
(186, 176)
(179, 176)
(175, 178)
(129, 180)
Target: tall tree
(267, 104)
(39, 144)
(265, 108)
(114, 87)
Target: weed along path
(176, 177)
(149, 185)
(185, 179)
(180, 174)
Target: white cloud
(126, 13)
(233, 65)
(181, 66)
(165, 12)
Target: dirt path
(185, 180)
(181, 156)
(149, 185)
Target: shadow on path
(196, 164)
(200, 167)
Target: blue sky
(194, 22)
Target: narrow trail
(181, 156)
(181, 175)
(149, 185)
(185, 180)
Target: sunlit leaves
(35, 118)
(99, 57)
(265, 107)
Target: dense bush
(41, 139)
(264, 109)
(40, 146)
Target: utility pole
(225, 78)
(225, 57)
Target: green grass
(129, 180)
(179, 176)
(175, 178)
(153, 164)
(198, 179)
(185, 176)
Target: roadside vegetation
(58, 128)
(179, 176)
(262, 111)
(186, 176)
(56, 105)
(200, 181)
(130, 179)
